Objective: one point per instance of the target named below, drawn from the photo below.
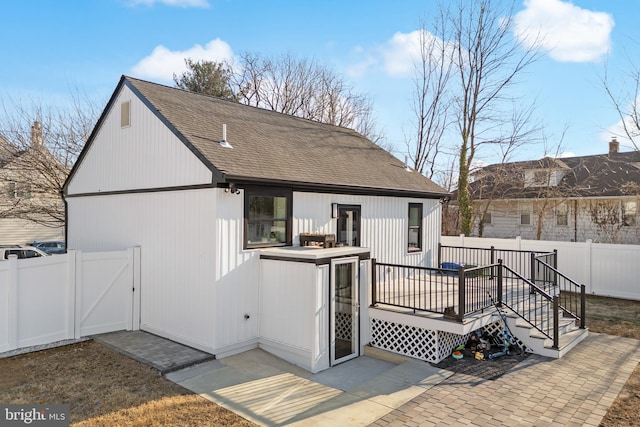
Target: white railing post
(589, 269)
(79, 309)
(13, 302)
(72, 332)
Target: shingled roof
(278, 149)
(605, 175)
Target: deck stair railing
(571, 295)
(531, 303)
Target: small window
(486, 218)
(415, 227)
(525, 216)
(629, 210)
(267, 218)
(125, 114)
(562, 217)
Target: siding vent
(224, 142)
(125, 114)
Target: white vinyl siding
(145, 155)
(196, 282)
(384, 224)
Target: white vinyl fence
(59, 297)
(605, 269)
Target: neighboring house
(30, 204)
(218, 194)
(566, 199)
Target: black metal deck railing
(518, 260)
(454, 293)
(457, 293)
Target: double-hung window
(415, 227)
(267, 215)
(629, 210)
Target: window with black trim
(267, 217)
(415, 227)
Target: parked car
(20, 251)
(51, 247)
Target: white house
(30, 206)
(217, 195)
(565, 199)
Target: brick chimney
(36, 135)
(614, 145)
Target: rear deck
(427, 312)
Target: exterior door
(345, 310)
(349, 225)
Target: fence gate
(107, 292)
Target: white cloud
(163, 63)
(402, 51)
(176, 3)
(568, 33)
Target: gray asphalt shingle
(274, 147)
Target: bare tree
(44, 142)
(487, 62)
(627, 102)
(303, 88)
(431, 99)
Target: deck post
(555, 267)
(461, 293)
(374, 281)
(439, 255)
(583, 310)
(556, 323)
(500, 284)
(532, 267)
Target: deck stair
(570, 334)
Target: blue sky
(52, 48)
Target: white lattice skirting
(424, 344)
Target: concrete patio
(381, 389)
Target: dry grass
(104, 388)
(619, 317)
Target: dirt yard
(105, 388)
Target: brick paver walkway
(575, 390)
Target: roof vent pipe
(406, 165)
(224, 142)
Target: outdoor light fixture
(232, 189)
(334, 210)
